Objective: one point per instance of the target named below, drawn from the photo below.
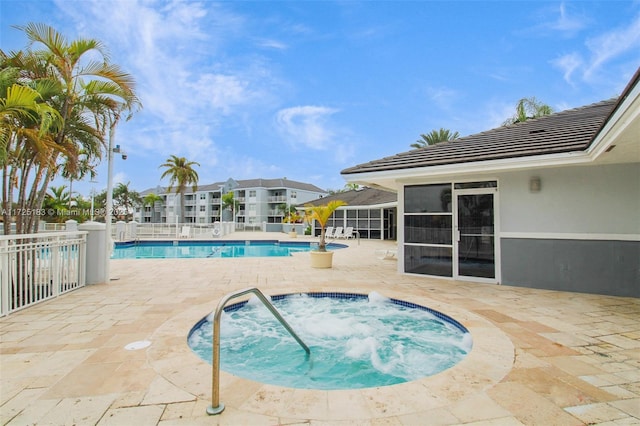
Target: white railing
(49, 227)
(38, 267)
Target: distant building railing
(38, 267)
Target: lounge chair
(328, 233)
(338, 233)
(390, 254)
(185, 232)
(348, 233)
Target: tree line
(60, 101)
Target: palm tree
(229, 202)
(434, 137)
(125, 198)
(78, 169)
(321, 214)
(181, 174)
(26, 123)
(56, 203)
(528, 108)
(77, 80)
(151, 200)
(351, 186)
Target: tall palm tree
(434, 137)
(77, 80)
(528, 108)
(26, 123)
(181, 174)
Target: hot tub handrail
(216, 406)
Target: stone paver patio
(539, 357)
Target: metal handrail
(216, 406)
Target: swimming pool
(212, 249)
(356, 341)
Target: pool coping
(489, 361)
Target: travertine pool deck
(539, 357)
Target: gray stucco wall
(586, 266)
(594, 199)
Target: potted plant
(293, 218)
(322, 258)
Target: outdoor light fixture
(535, 184)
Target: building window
(203, 196)
(294, 194)
(202, 208)
(252, 193)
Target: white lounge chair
(338, 233)
(390, 254)
(328, 233)
(348, 233)
(185, 232)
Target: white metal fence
(121, 231)
(37, 267)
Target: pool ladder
(216, 406)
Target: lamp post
(93, 196)
(109, 207)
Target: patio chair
(390, 254)
(348, 233)
(338, 233)
(185, 232)
(328, 233)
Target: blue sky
(304, 89)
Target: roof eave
(461, 170)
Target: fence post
(4, 277)
(56, 271)
(95, 266)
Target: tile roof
(567, 131)
(277, 183)
(243, 184)
(361, 197)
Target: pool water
(202, 249)
(356, 341)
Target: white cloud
(174, 50)
(613, 44)
(568, 64)
(557, 20)
(272, 44)
(307, 125)
(443, 97)
(567, 23)
(119, 177)
(602, 49)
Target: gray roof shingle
(361, 197)
(567, 131)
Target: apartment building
(258, 200)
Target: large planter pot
(293, 234)
(321, 259)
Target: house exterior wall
(603, 199)
(580, 232)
